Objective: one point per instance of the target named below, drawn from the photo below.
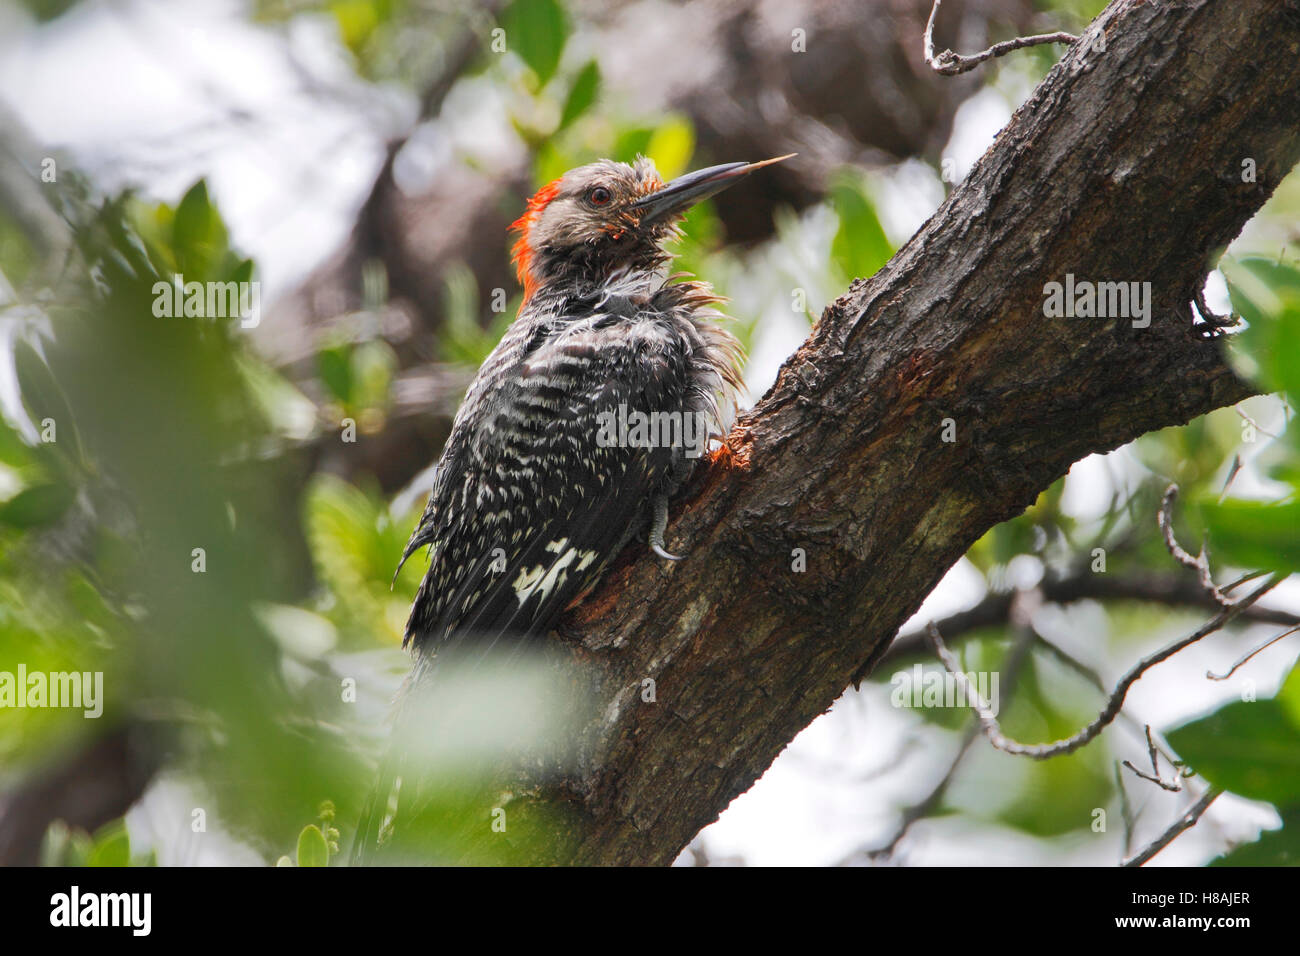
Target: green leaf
(38, 505)
(461, 338)
(1003, 542)
(373, 367)
(860, 246)
(335, 367)
(45, 10)
(536, 30)
(1289, 695)
(13, 450)
(1249, 747)
(551, 162)
(193, 221)
(358, 20)
(354, 547)
(198, 236)
(631, 143)
(112, 846)
(582, 94)
(312, 848)
(243, 271)
(1267, 295)
(1255, 534)
(80, 846)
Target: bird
(527, 508)
(531, 500)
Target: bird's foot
(657, 527)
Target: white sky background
(154, 94)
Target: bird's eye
(599, 195)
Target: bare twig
(1152, 752)
(949, 63)
(1182, 824)
(1088, 674)
(1201, 563)
(1212, 319)
(1250, 576)
(1254, 424)
(925, 806)
(1210, 675)
(993, 731)
(1232, 476)
(1125, 809)
(928, 804)
(1153, 777)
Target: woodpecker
(529, 505)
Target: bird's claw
(658, 549)
(657, 526)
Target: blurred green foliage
(536, 30)
(462, 337)
(1252, 747)
(109, 846)
(860, 247)
(143, 534)
(171, 434)
(174, 538)
(354, 544)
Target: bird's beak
(685, 191)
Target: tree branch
(1123, 167)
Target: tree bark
(1125, 165)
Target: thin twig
(1248, 576)
(1182, 824)
(1091, 676)
(1152, 753)
(927, 805)
(1154, 775)
(1201, 563)
(1212, 319)
(1254, 424)
(949, 63)
(1125, 809)
(993, 731)
(1232, 476)
(1210, 675)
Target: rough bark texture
(1125, 165)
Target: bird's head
(604, 216)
